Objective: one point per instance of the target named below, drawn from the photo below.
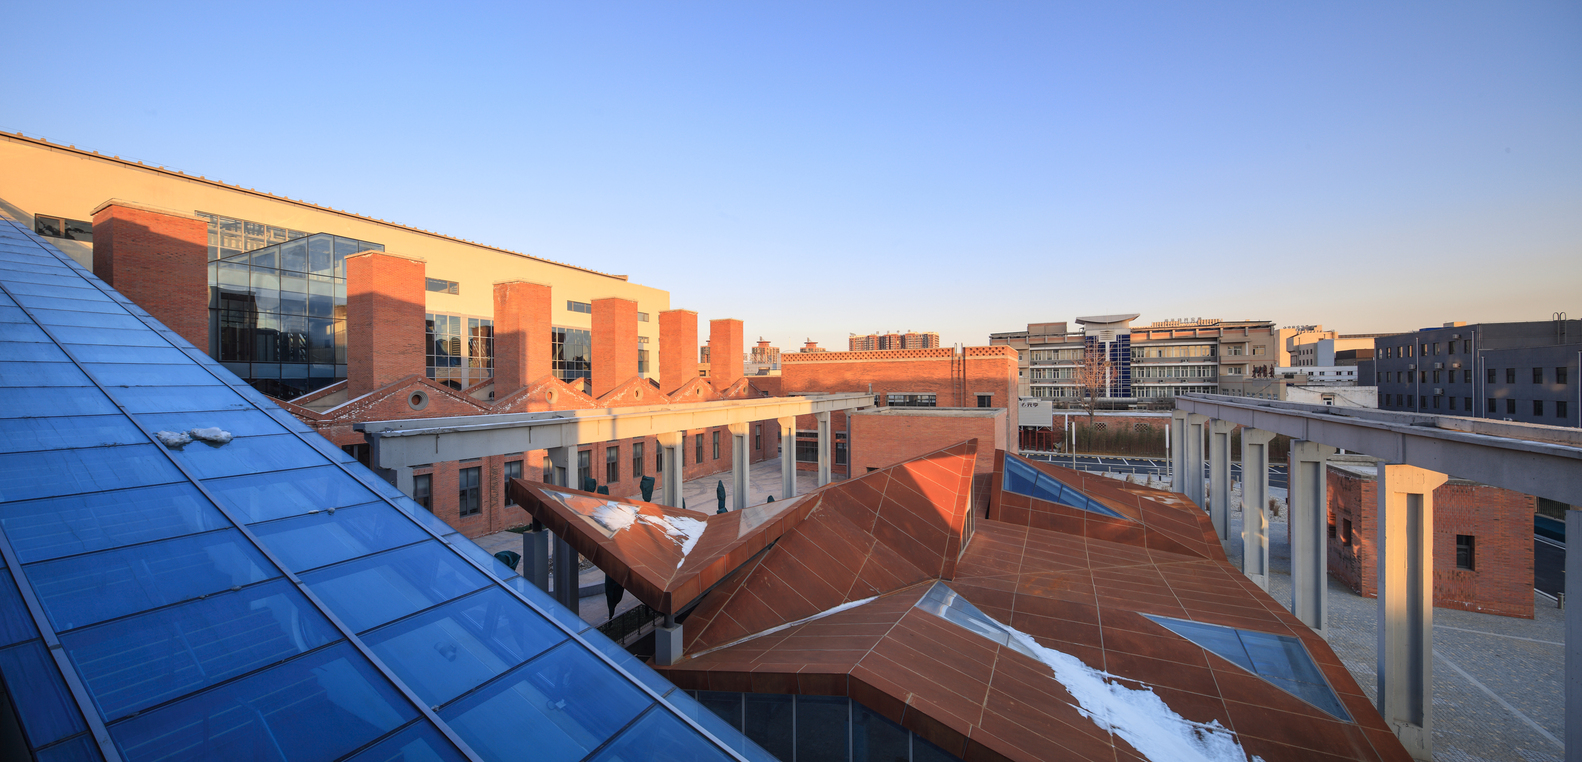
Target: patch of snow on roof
(212, 435)
(1137, 715)
(172, 439)
(615, 516)
(684, 530)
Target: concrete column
(403, 479)
(1308, 508)
(824, 448)
(1255, 505)
(1178, 435)
(535, 557)
(565, 570)
(1219, 476)
(1573, 592)
(1405, 549)
(739, 443)
(1192, 466)
(787, 457)
(667, 642)
(670, 444)
(560, 458)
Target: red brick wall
(678, 348)
(614, 343)
(160, 261)
(1500, 520)
(521, 335)
(880, 440)
(384, 308)
(725, 352)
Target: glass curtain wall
(277, 314)
(572, 354)
(460, 350)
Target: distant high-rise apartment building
(1524, 372)
(878, 341)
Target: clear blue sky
(818, 169)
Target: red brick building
(1483, 547)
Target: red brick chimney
(158, 258)
(521, 335)
(384, 320)
(678, 348)
(725, 352)
(614, 343)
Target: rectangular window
(571, 354)
(840, 448)
(1466, 552)
(584, 468)
(986, 400)
(1436, 375)
(459, 350)
(716, 444)
(642, 317)
(442, 286)
(1538, 375)
(698, 446)
(612, 464)
(1436, 402)
(1538, 408)
(1467, 403)
(1560, 409)
(659, 458)
(513, 470)
(637, 460)
(909, 400)
(807, 447)
(1345, 531)
(1492, 408)
(1436, 347)
(467, 491)
(423, 491)
(1492, 376)
(758, 437)
(1510, 375)
(1510, 407)
(1560, 375)
(1466, 376)
(60, 227)
(1452, 402)
(579, 307)
(358, 451)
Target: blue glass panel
(323, 538)
(422, 515)
(131, 374)
(40, 696)
(48, 311)
(16, 624)
(41, 374)
(480, 556)
(561, 705)
(28, 475)
(1019, 477)
(83, 590)
(329, 450)
(15, 272)
(149, 355)
(24, 434)
(13, 315)
(155, 399)
(23, 351)
(722, 729)
(316, 707)
(1218, 639)
(633, 665)
(547, 605)
(77, 749)
(112, 336)
(135, 663)
(22, 291)
(30, 402)
(241, 423)
(1317, 694)
(449, 650)
(12, 333)
(246, 455)
(1279, 656)
(282, 417)
(371, 591)
(660, 737)
(419, 742)
(278, 495)
(63, 526)
(67, 317)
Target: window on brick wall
(807, 447)
(612, 464)
(716, 444)
(637, 460)
(758, 437)
(840, 448)
(584, 468)
(659, 459)
(513, 470)
(358, 451)
(986, 400)
(1466, 552)
(910, 400)
(468, 491)
(698, 444)
(1345, 531)
(423, 491)
(60, 227)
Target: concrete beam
(1537, 460)
(1255, 505)
(1405, 548)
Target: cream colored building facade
(43, 179)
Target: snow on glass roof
(187, 571)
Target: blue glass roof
(267, 597)
(1023, 479)
(1279, 659)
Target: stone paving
(1499, 692)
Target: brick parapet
(614, 343)
(725, 351)
(678, 348)
(158, 259)
(384, 296)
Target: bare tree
(1094, 377)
